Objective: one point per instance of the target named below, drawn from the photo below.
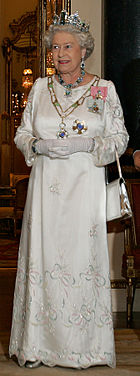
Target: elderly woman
(70, 127)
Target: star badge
(79, 126)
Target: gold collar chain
(64, 113)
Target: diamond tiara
(73, 20)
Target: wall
(122, 20)
(91, 12)
(10, 10)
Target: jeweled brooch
(97, 99)
(62, 133)
(79, 126)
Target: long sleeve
(25, 134)
(115, 133)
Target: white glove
(73, 145)
(49, 147)
(63, 148)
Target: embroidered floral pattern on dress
(35, 277)
(106, 317)
(117, 111)
(93, 231)
(81, 316)
(21, 273)
(80, 360)
(114, 110)
(92, 274)
(64, 311)
(29, 224)
(62, 274)
(55, 187)
(46, 316)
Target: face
(66, 52)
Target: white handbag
(117, 201)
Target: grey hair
(84, 39)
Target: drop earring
(83, 63)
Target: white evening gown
(62, 302)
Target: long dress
(62, 301)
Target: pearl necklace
(69, 87)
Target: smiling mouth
(63, 61)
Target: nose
(61, 51)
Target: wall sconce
(27, 78)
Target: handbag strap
(118, 164)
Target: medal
(62, 133)
(97, 99)
(79, 126)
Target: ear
(83, 52)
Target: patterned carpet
(8, 253)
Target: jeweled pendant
(68, 92)
(62, 133)
(79, 126)
(95, 107)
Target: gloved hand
(73, 145)
(58, 148)
(49, 147)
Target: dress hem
(81, 361)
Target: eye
(68, 46)
(55, 47)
